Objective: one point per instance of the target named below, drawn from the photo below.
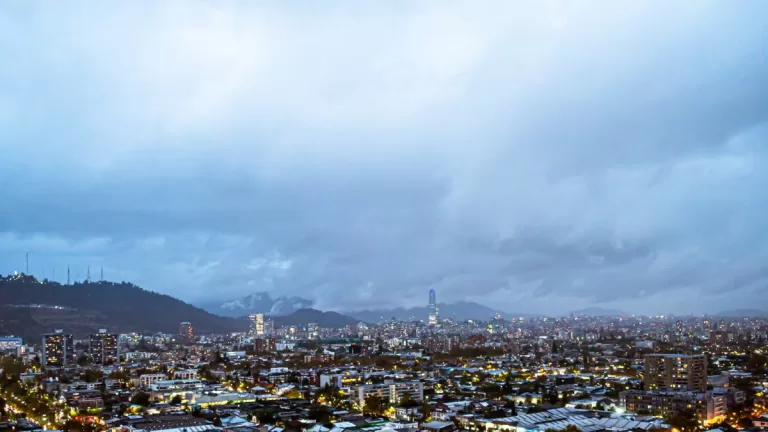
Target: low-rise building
(390, 391)
(707, 406)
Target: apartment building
(707, 406)
(146, 380)
(185, 374)
(390, 391)
(676, 372)
(103, 348)
(58, 350)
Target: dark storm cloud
(537, 156)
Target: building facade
(257, 324)
(58, 350)
(264, 345)
(675, 372)
(186, 331)
(706, 406)
(104, 348)
(11, 345)
(313, 331)
(390, 391)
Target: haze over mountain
(261, 302)
(460, 311)
(598, 311)
(743, 313)
(539, 156)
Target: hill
(31, 307)
(260, 302)
(302, 317)
(460, 311)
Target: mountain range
(260, 302)
(302, 317)
(743, 313)
(30, 307)
(599, 311)
(460, 311)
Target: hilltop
(30, 307)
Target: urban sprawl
(521, 374)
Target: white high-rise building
(313, 331)
(257, 324)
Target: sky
(533, 156)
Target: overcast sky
(536, 156)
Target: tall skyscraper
(677, 372)
(58, 349)
(103, 348)
(257, 324)
(185, 331)
(432, 318)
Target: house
(438, 426)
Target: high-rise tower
(432, 319)
(103, 348)
(257, 324)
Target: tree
(83, 360)
(176, 400)
(141, 398)
(552, 396)
(426, 411)
(265, 417)
(76, 426)
(91, 375)
(293, 393)
(405, 400)
(684, 421)
(507, 382)
(373, 405)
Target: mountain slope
(122, 307)
(260, 302)
(302, 317)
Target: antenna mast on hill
(67, 275)
(88, 278)
(102, 273)
(26, 272)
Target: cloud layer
(534, 156)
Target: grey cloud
(525, 155)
